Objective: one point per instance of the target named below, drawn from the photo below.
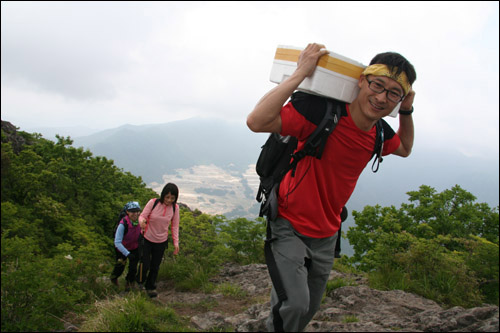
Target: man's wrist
(406, 112)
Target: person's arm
(406, 130)
(145, 214)
(175, 230)
(119, 238)
(265, 117)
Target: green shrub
(443, 246)
(244, 239)
(133, 313)
(424, 267)
(36, 291)
(482, 258)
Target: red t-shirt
(313, 199)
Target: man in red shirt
(310, 202)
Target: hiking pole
(141, 249)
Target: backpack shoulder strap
(124, 221)
(316, 142)
(379, 146)
(154, 205)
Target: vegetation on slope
(59, 205)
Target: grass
(350, 319)
(338, 283)
(231, 290)
(134, 313)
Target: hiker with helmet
(158, 215)
(310, 197)
(127, 245)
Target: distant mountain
(50, 132)
(151, 151)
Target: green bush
(482, 258)
(423, 267)
(59, 205)
(133, 313)
(36, 290)
(201, 253)
(244, 238)
(443, 246)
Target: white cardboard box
(335, 76)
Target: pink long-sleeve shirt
(160, 218)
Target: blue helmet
(133, 206)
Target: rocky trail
(354, 308)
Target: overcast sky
(105, 64)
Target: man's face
(379, 95)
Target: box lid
(332, 61)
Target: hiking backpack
(278, 155)
(121, 216)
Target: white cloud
(103, 64)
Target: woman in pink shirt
(155, 219)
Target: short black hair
(393, 59)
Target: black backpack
(277, 156)
(121, 216)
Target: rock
(208, 321)
(352, 308)
(253, 319)
(360, 308)
(253, 279)
(458, 319)
(12, 135)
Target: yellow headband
(383, 70)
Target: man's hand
(408, 101)
(309, 57)
(176, 250)
(266, 117)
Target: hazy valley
(214, 190)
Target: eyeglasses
(393, 96)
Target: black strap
(379, 146)
(125, 225)
(316, 142)
(275, 278)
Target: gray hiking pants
(304, 265)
